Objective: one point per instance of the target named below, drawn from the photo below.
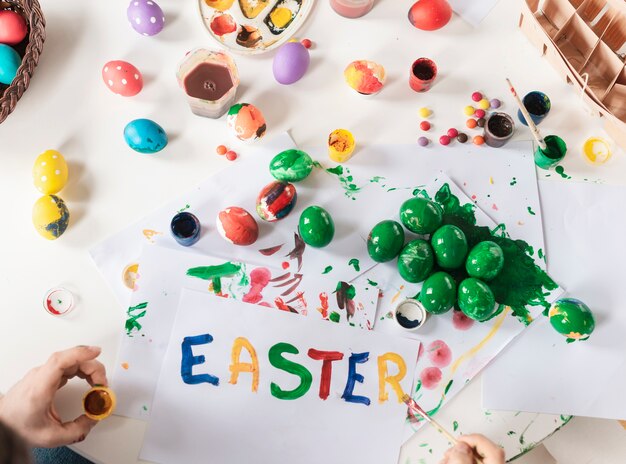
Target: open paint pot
(596, 150)
(99, 402)
(185, 229)
(340, 145)
(58, 301)
(499, 129)
(538, 106)
(410, 314)
(352, 8)
(553, 154)
(422, 75)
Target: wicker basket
(30, 52)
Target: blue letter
(189, 360)
(353, 376)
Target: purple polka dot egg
(145, 16)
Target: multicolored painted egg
(145, 136)
(476, 299)
(13, 28)
(50, 172)
(316, 227)
(246, 122)
(221, 5)
(366, 77)
(50, 217)
(145, 16)
(485, 260)
(290, 63)
(416, 261)
(9, 63)
(385, 241)
(237, 226)
(122, 78)
(421, 215)
(438, 293)
(276, 201)
(572, 318)
(291, 166)
(450, 246)
(222, 24)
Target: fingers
(491, 453)
(68, 432)
(92, 371)
(461, 453)
(52, 373)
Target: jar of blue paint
(185, 228)
(538, 106)
(410, 314)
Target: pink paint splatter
(494, 206)
(430, 377)
(420, 351)
(439, 353)
(259, 278)
(285, 264)
(461, 321)
(473, 197)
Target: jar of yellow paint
(340, 145)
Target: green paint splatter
(134, 313)
(530, 211)
(510, 433)
(372, 283)
(513, 181)
(423, 445)
(144, 407)
(334, 316)
(346, 180)
(215, 273)
(185, 208)
(355, 263)
(447, 389)
(455, 426)
(541, 255)
(560, 170)
(347, 289)
(327, 269)
(376, 179)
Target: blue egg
(145, 136)
(9, 62)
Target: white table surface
(68, 108)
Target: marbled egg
(572, 318)
(276, 201)
(366, 77)
(476, 299)
(122, 78)
(291, 166)
(237, 226)
(145, 136)
(50, 172)
(290, 63)
(438, 293)
(9, 62)
(421, 215)
(416, 261)
(246, 122)
(13, 27)
(316, 227)
(50, 216)
(385, 241)
(485, 260)
(145, 16)
(450, 246)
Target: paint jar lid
(58, 301)
(410, 314)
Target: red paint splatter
(430, 377)
(280, 304)
(285, 264)
(494, 206)
(51, 308)
(439, 353)
(420, 351)
(270, 251)
(223, 24)
(259, 278)
(473, 197)
(461, 322)
(323, 309)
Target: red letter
(327, 357)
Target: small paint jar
(185, 228)
(410, 314)
(352, 8)
(58, 301)
(340, 145)
(422, 75)
(596, 150)
(499, 129)
(99, 402)
(553, 154)
(538, 106)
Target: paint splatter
(560, 170)
(455, 426)
(280, 304)
(530, 211)
(345, 298)
(185, 208)
(376, 179)
(461, 322)
(144, 407)
(270, 251)
(430, 377)
(510, 433)
(135, 313)
(494, 207)
(541, 254)
(372, 283)
(346, 180)
(513, 181)
(285, 264)
(125, 366)
(323, 309)
(298, 250)
(439, 353)
(335, 316)
(259, 278)
(215, 274)
(355, 264)
(327, 269)
(150, 234)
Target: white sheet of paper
(473, 11)
(163, 274)
(540, 372)
(230, 423)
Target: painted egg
(291, 166)
(290, 63)
(366, 77)
(221, 5)
(50, 172)
(316, 226)
(246, 121)
(450, 246)
(416, 261)
(9, 62)
(572, 318)
(237, 226)
(276, 201)
(430, 15)
(222, 24)
(145, 136)
(13, 27)
(122, 78)
(385, 241)
(438, 293)
(145, 16)
(50, 216)
(485, 260)
(476, 299)
(420, 215)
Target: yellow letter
(393, 380)
(236, 366)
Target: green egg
(438, 293)
(316, 226)
(450, 246)
(385, 241)
(421, 216)
(572, 318)
(485, 260)
(416, 261)
(291, 166)
(476, 299)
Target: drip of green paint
(372, 283)
(334, 316)
(350, 291)
(346, 180)
(355, 263)
(327, 269)
(184, 209)
(134, 313)
(530, 211)
(211, 272)
(513, 181)
(376, 179)
(510, 433)
(455, 426)
(561, 172)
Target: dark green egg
(485, 260)
(450, 246)
(416, 261)
(291, 166)
(438, 293)
(385, 241)
(316, 226)
(476, 299)
(421, 216)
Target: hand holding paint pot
(469, 446)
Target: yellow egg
(50, 172)
(50, 216)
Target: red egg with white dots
(122, 78)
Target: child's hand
(471, 445)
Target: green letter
(275, 355)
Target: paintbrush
(529, 121)
(417, 410)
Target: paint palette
(253, 26)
